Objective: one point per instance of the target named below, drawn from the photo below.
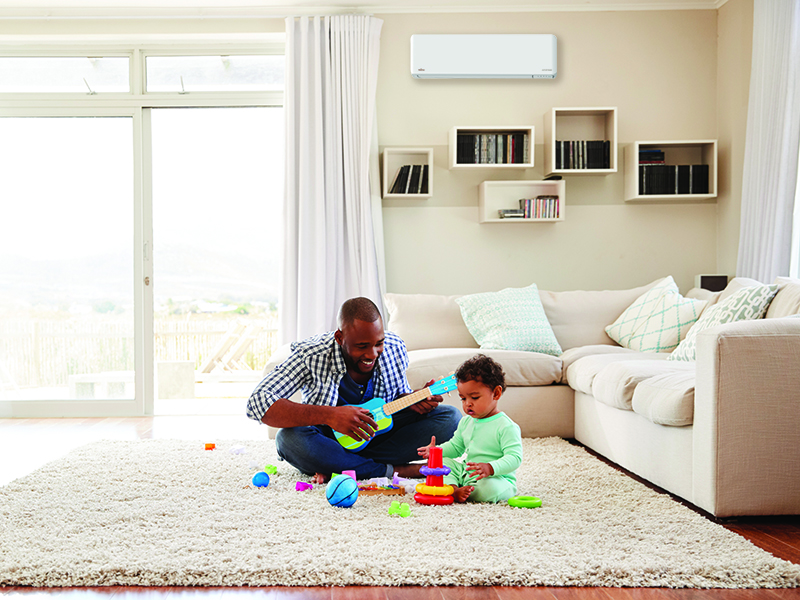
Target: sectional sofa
(721, 431)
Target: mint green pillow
(747, 304)
(511, 319)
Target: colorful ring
(435, 490)
(435, 471)
(435, 500)
(525, 501)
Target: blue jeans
(315, 450)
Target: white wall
(659, 68)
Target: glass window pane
(214, 73)
(77, 74)
(217, 205)
(66, 259)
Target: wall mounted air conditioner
(501, 56)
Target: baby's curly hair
(482, 368)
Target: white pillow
(747, 304)
(511, 319)
(672, 317)
(633, 317)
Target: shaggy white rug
(168, 512)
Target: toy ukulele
(382, 411)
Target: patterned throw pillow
(633, 317)
(672, 317)
(746, 304)
(511, 319)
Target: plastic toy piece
(434, 491)
(302, 486)
(402, 510)
(342, 491)
(238, 450)
(350, 474)
(375, 490)
(211, 446)
(261, 479)
(525, 501)
(271, 469)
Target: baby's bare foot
(460, 494)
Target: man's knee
(448, 416)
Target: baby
(492, 441)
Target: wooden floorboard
(27, 444)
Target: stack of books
(492, 148)
(410, 179)
(583, 154)
(658, 178)
(541, 207)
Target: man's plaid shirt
(316, 366)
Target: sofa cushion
(521, 368)
(573, 354)
(634, 316)
(710, 297)
(787, 301)
(427, 321)
(579, 317)
(668, 398)
(614, 384)
(672, 317)
(746, 304)
(511, 319)
(581, 373)
(736, 284)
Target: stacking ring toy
(434, 471)
(525, 501)
(435, 490)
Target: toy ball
(261, 479)
(342, 491)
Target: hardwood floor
(27, 444)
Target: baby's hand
(424, 450)
(480, 470)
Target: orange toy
(433, 491)
(211, 446)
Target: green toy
(525, 501)
(271, 470)
(400, 509)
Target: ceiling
(244, 8)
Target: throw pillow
(746, 304)
(633, 317)
(511, 319)
(672, 317)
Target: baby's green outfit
(495, 440)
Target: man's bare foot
(460, 494)
(408, 471)
(320, 478)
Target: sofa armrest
(746, 431)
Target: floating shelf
(579, 123)
(497, 195)
(676, 152)
(394, 158)
(526, 130)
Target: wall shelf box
(676, 152)
(498, 195)
(579, 123)
(526, 130)
(394, 158)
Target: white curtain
(769, 179)
(330, 251)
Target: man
(337, 371)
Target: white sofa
(722, 432)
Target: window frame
(136, 104)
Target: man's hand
(426, 406)
(353, 421)
(480, 470)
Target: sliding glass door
(66, 260)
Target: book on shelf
(401, 180)
(492, 148)
(583, 154)
(413, 180)
(660, 179)
(511, 213)
(544, 206)
(424, 186)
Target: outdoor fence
(44, 353)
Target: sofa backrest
(427, 321)
(787, 301)
(580, 318)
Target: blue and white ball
(261, 479)
(342, 491)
